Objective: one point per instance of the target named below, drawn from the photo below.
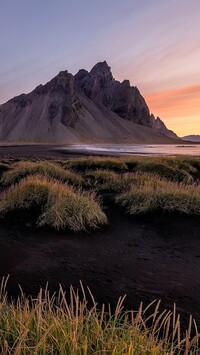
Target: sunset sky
(153, 43)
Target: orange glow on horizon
(179, 108)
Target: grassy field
(61, 193)
(64, 324)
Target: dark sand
(147, 258)
(32, 151)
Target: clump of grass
(55, 204)
(165, 171)
(127, 180)
(94, 163)
(108, 180)
(162, 195)
(185, 166)
(47, 169)
(101, 179)
(64, 324)
(194, 162)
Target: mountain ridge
(87, 107)
(192, 138)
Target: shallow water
(135, 149)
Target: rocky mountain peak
(82, 73)
(102, 69)
(98, 79)
(64, 81)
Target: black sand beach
(145, 258)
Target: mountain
(192, 138)
(88, 107)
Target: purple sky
(155, 44)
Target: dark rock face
(65, 103)
(89, 105)
(159, 125)
(122, 98)
(100, 86)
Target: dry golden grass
(171, 173)
(56, 205)
(144, 184)
(62, 324)
(179, 169)
(101, 179)
(158, 194)
(52, 170)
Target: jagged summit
(88, 107)
(101, 69)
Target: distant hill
(192, 138)
(85, 108)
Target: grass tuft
(55, 204)
(157, 194)
(51, 170)
(166, 171)
(101, 179)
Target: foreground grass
(53, 204)
(66, 325)
(155, 194)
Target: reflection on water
(137, 149)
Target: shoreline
(59, 151)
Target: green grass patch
(55, 204)
(52, 170)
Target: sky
(153, 43)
